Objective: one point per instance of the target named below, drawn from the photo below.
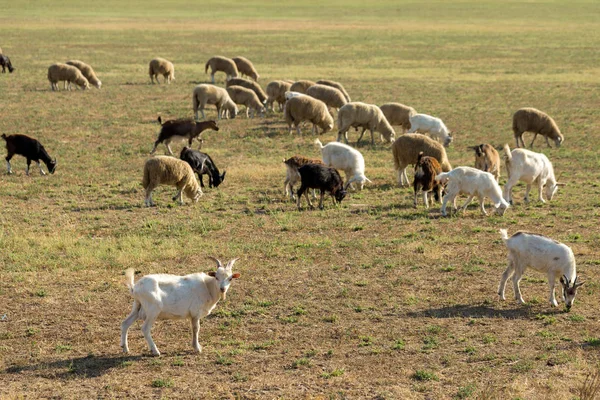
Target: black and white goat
(5, 63)
(29, 148)
(181, 129)
(202, 164)
(327, 179)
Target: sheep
(472, 182)
(291, 94)
(201, 164)
(398, 114)
(320, 177)
(5, 63)
(367, 116)
(426, 169)
(160, 66)
(343, 157)
(165, 296)
(529, 167)
(276, 93)
(336, 85)
(487, 159)
(247, 97)
(169, 170)
(329, 95)
(181, 129)
(292, 165)
(537, 122)
(301, 86)
(543, 255)
(424, 123)
(248, 84)
(210, 94)
(87, 71)
(406, 149)
(223, 64)
(245, 67)
(306, 108)
(29, 148)
(63, 72)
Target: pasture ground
(374, 299)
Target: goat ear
(236, 275)
(212, 273)
(564, 280)
(560, 184)
(219, 265)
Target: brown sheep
(537, 122)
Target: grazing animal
(182, 129)
(292, 165)
(167, 170)
(202, 164)
(537, 122)
(248, 84)
(366, 116)
(160, 66)
(301, 86)
(165, 296)
(276, 93)
(336, 85)
(246, 97)
(487, 159)
(210, 94)
(398, 114)
(435, 127)
(5, 63)
(67, 73)
(29, 148)
(245, 67)
(426, 169)
(326, 179)
(543, 255)
(223, 64)
(305, 108)
(333, 97)
(87, 71)
(343, 157)
(406, 151)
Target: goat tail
(159, 120)
(129, 273)
(507, 153)
(4, 136)
(504, 234)
(318, 143)
(206, 67)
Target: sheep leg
(507, 273)
(551, 282)
(533, 140)
(247, 111)
(359, 138)
(146, 327)
(148, 202)
(195, 331)
(179, 196)
(40, 167)
(372, 137)
(212, 77)
(547, 142)
(298, 131)
(133, 315)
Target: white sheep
(223, 64)
(435, 127)
(343, 157)
(398, 114)
(245, 67)
(165, 296)
(160, 66)
(210, 94)
(87, 71)
(366, 116)
(246, 97)
(329, 95)
(543, 255)
(336, 85)
(529, 167)
(471, 182)
(406, 151)
(276, 93)
(67, 73)
(306, 108)
(167, 170)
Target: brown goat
(293, 176)
(181, 129)
(426, 169)
(487, 159)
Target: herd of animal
(422, 144)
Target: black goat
(201, 164)
(182, 129)
(327, 179)
(29, 148)
(5, 63)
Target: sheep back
(336, 85)
(407, 147)
(87, 71)
(306, 108)
(327, 94)
(224, 64)
(301, 86)
(245, 67)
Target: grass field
(373, 299)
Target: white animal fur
(210, 94)
(435, 127)
(472, 182)
(343, 157)
(163, 296)
(543, 255)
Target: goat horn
(219, 265)
(231, 262)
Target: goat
(29, 148)
(327, 179)
(181, 129)
(164, 296)
(487, 159)
(543, 255)
(293, 176)
(426, 169)
(201, 164)
(5, 63)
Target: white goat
(543, 255)
(164, 296)
(424, 123)
(472, 182)
(343, 157)
(529, 167)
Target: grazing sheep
(543, 255)
(301, 86)
(487, 159)
(326, 179)
(289, 95)
(210, 94)
(406, 151)
(245, 67)
(160, 66)
(164, 296)
(67, 73)
(292, 165)
(306, 108)
(202, 164)
(29, 148)
(223, 64)
(426, 169)
(87, 71)
(247, 97)
(472, 182)
(248, 84)
(537, 122)
(343, 157)
(398, 114)
(5, 63)
(529, 167)
(424, 123)
(367, 116)
(329, 95)
(336, 85)
(168, 170)
(181, 129)
(276, 93)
